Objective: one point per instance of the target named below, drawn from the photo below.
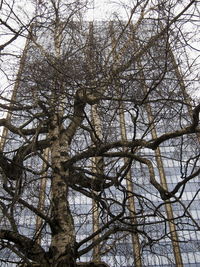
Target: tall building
(100, 117)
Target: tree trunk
(63, 233)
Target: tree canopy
(100, 135)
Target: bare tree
(101, 140)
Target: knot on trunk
(87, 96)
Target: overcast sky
(103, 9)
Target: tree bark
(63, 234)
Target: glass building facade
(139, 189)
